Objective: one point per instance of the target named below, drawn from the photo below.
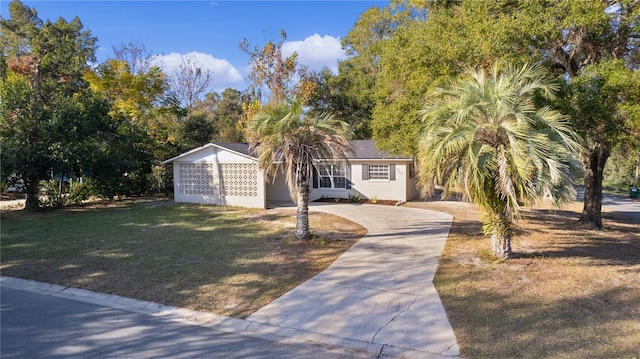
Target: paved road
(623, 205)
(41, 325)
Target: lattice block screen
(239, 179)
(197, 178)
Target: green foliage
(422, 54)
(338, 95)
(52, 194)
(225, 113)
(80, 191)
(197, 130)
(350, 95)
(604, 103)
(143, 127)
(484, 136)
(272, 69)
(285, 134)
(42, 91)
(622, 168)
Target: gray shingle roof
(366, 149)
(242, 148)
(362, 149)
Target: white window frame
(332, 173)
(379, 172)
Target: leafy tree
(130, 149)
(604, 103)
(284, 133)
(486, 137)
(350, 94)
(226, 114)
(197, 130)
(430, 47)
(595, 45)
(567, 36)
(132, 95)
(270, 68)
(45, 63)
(335, 94)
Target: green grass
(229, 261)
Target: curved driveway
(381, 290)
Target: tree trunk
(31, 172)
(594, 161)
(32, 203)
(302, 214)
(501, 245)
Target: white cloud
(317, 51)
(223, 74)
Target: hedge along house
(228, 174)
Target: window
(379, 172)
(332, 176)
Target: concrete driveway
(381, 290)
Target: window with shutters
(379, 172)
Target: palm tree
(485, 137)
(283, 133)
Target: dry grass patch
(227, 261)
(570, 293)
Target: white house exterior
(369, 174)
(222, 174)
(228, 174)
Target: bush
(51, 194)
(80, 192)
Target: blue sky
(209, 31)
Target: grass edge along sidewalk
(227, 261)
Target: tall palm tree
(283, 133)
(485, 137)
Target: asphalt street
(623, 205)
(43, 326)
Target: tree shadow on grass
(558, 236)
(198, 257)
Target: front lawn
(227, 261)
(572, 293)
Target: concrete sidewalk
(381, 290)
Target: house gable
(215, 174)
(224, 151)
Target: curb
(349, 347)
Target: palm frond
(484, 135)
